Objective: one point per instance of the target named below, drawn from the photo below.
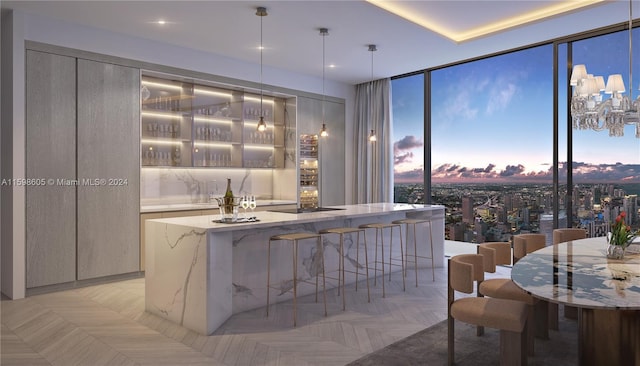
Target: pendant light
(372, 135)
(262, 126)
(324, 32)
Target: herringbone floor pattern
(107, 325)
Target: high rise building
(467, 210)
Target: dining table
(606, 292)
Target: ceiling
(291, 35)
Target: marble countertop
(578, 273)
(269, 219)
(150, 208)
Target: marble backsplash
(189, 185)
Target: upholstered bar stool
(413, 223)
(380, 227)
(341, 231)
(293, 239)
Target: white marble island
(199, 273)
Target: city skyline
(475, 136)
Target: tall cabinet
(108, 224)
(82, 159)
(50, 154)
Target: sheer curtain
(374, 160)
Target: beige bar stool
(293, 239)
(379, 227)
(414, 222)
(341, 270)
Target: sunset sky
(492, 119)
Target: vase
(615, 251)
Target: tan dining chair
(524, 244)
(509, 316)
(496, 254)
(564, 235)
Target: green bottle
(228, 198)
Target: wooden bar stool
(379, 227)
(293, 239)
(341, 270)
(414, 222)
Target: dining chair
(509, 316)
(499, 253)
(524, 244)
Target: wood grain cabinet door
(108, 169)
(50, 169)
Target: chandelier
(589, 111)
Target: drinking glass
(252, 204)
(245, 205)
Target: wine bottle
(228, 197)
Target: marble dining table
(605, 291)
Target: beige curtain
(374, 160)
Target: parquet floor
(106, 325)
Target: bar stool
(293, 238)
(379, 227)
(341, 270)
(414, 222)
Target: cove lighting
(258, 99)
(161, 85)
(211, 92)
(212, 120)
(255, 147)
(406, 10)
(161, 115)
(210, 144)
(160, 142)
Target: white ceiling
(291, 30)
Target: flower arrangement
(621, 234)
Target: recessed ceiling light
(332, 66)
(161, 22)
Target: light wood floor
(107, 325)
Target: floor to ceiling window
(408, 138)
(490, 152)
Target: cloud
(403, 158)
(511, 170)
(499, 98)
(582, 173)
(407, 143)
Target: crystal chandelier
(589, 111)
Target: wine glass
(245, 205)
(252, 204)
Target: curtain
(374, 160)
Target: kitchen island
(199, 272)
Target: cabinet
(309, 171)
(185, 124)
(109, 169)
(50, 154)
(83, 139)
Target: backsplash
(193, 185)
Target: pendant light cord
(261, 48)
(630, 52)
(324, 33)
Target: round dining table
(605, 291)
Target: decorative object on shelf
(590, 111)
(262, 126)
(619, 238)
(324, 32)
(372, 135)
